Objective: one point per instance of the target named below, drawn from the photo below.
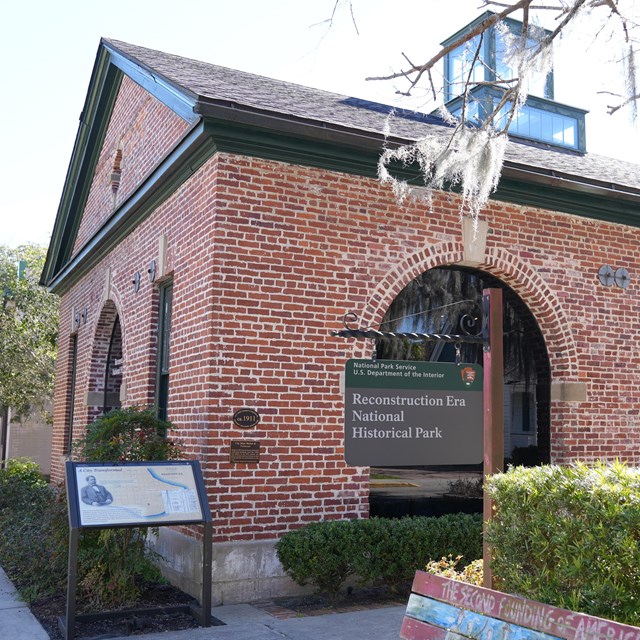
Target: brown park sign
(402, 413)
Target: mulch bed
(48, 610)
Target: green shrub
(115, 564)
(127, 435)
(390, 551)
(377, 551)
(33, 531)
(319, 553)
(26, 470)
(570, 536)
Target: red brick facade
(206, 179)
(265, 258)
(143, 130)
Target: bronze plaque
(245, 451)
(246, 418)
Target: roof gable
(109, 69)
(238, 112)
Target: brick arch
(541, 301)
(102, 340)
(543, 304)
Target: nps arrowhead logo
(468, 375)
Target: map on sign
(146, 493)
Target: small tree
(116, 562)
(29, 330)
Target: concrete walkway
(16, 621)
(242, 622)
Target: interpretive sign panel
(136, 493)
(401, 413)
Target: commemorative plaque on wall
(245, 451)
(246, 418)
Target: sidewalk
(242, 622)
(16, 621)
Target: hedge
(569, 536)
(377, 550)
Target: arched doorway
(436, 302)
(113, 369)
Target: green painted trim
(530, 189)
(208, 137)
(295, 149)
(94, 121)
(240, 130)
(580, 200)
(104, 86)
(196, 148)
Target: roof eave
(103, 88)
(236, 128)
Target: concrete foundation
(241, 571)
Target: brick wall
(143, 130)
(266, 258)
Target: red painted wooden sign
(442, 609)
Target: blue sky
(48, 50)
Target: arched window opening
(113, 369)
(438, 301)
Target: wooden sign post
(493, 410)
(491, 337)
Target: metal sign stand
(490, 336)
(201, 613)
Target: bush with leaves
(568, 536)
(390, 550)
(127, 435)
(116, 563)
(33, 516)
(321, 554)
(377, 551)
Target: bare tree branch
(471, 153)
(611, 109)
(466, 37)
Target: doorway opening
(438, 301)
(106, 364)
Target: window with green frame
(72, 391)
(164, 340)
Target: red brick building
(215, 227)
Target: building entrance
(438, 301)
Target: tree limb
(466, 37)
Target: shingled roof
(210, 84)
(236, 112)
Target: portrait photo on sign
(95, 494)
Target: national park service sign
(401, 413)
